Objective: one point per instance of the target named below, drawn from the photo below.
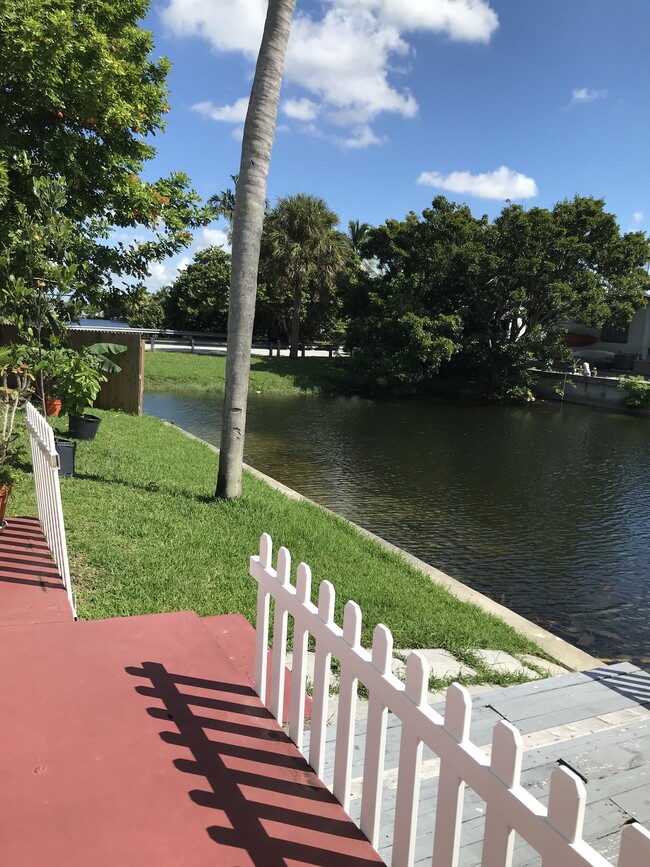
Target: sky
(386, 104)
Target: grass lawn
(145, 535)
(177, 371)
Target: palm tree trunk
(295, 322)
(248, 218)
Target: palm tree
(358, 233)
(302, 251)
(248, 218)
(223, 204)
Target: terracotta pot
(5, 493)
(52, 406)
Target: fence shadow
(265, 799)
(634, 685)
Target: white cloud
(584, 94)
(346, 58)
(164, 273)
(638, 216)
(361, 137)
(212, 238)
(300, 109)
(503, 183)
(235, 113)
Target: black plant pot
(65, 450)
(83, 427)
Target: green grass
(176, 371)
(145, 535)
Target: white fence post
(555, 834)
(45, 462)
(410, 761)
(373, 763)
(322, 673)
(347, 709)
(299, 666)
(451, 787)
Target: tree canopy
(489, 298)
(80, 97)
(197, 300)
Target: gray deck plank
(615, 762)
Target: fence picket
(566, 804)
(299, 666)
(347, 709)
(451, 787)
(279, 655)
(322, 672)
(373, 763)
(262, 619)
(555, 834)
(635, 847)
(499, 837)
(410, 761)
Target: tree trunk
(295, 322)
(248, 218)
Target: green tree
(358, 233)
(80, 97)
(197, 300)
(248, 219)
(302, 254)
(550, 267)
(501, 292)
(407, 314)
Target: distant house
(626, 348)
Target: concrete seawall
(598, 391)
(569, 656)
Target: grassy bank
(176, 371)
(145, 536)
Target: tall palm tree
(358, 232)
(248, 218)
(302, 250)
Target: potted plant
(15, 386)
(78, 384)
(48, 364)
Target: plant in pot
(78, 385)
(15, 387)
(49, 364)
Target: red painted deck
(136, 741)
(31, 590)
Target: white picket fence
(45, 461)
(555, 833)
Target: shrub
(637, 391)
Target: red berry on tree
(112, 48)
(59, 114)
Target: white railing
(45, 461)
(555, 833)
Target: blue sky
(387, 103)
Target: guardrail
(45, 461)
(555, 833)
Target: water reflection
(545, 509)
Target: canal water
(544, 508)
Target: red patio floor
(136, 741)
(31, 590)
